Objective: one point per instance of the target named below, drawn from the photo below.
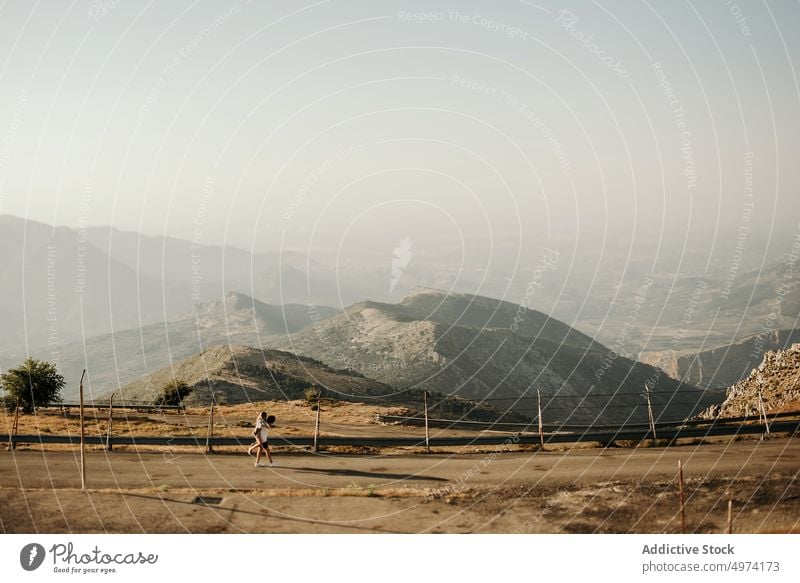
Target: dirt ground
(572, 490)
(294, 418)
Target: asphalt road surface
(588, 490)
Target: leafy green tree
(173, 393)
(34, 383)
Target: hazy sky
(344, 123)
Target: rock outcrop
(776, 380)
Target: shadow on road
(360, 474)
(264, 515)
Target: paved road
(613, 490)
(30, 469)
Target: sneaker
(258, 465)
(249, 452)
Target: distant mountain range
(114, 360)
(65, 284)
(123, 305)
(210, 271)
(723, 366)
(693, 313)
(59, 287)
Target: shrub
(312, 395)
(173, 393)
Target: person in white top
(261, 433)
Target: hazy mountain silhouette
(63, 284)
(59, 287)
(209, 270)
(113, 360)
(134, 279)
(725, 365)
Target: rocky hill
(485, 349)
(242, 374)
(777, 380)
(725, 365)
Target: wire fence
(556, 408)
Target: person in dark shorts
(261, 434)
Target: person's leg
(258, 455)
(269, 455)
(252, 447)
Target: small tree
(312, 395)
(173, 393)
(34, 383)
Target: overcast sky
(348, 123)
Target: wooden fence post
(682, 493)
(83, 440)
(541, 428)
(427, 433)
(109, 446)
(316, 423)
(650, 415)
(12, 445)
(762, 411)
(210, 432)
(730, 516)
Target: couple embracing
(261, 433)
